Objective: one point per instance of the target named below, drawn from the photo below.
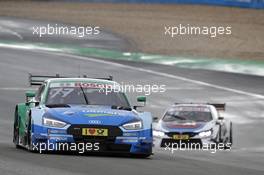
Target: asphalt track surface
(243, 94)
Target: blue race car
(76, 114)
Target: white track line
(4, 29)
(259, 96)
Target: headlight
(133, 125)
(158, 133)
(205, 133)
(53, 123)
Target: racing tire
(29, 137)
(16, 130)
(231, 134)
(141, 156)
(229, 141)
(219, 135)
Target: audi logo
(94, 122)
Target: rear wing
(218, 106)
(37, 80)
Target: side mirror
(140, 99)
(220, 118)
(155, 119)
(30, 94)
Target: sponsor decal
(181, 137)
(81, 84)
(68, 113)
(98, 115)
(94, 122)
(94, 132)
(99, 112)
(192, 108)
(181, 126)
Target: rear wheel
(229, 139)
(231, 134)
(29, 137)
(219, 135)
(16, 130)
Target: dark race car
(198, 125)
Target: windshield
(85, 96)
(197, 114)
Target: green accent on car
(98, 115)
(141, 99)
(21, 111)
(30, 94)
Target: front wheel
(29, 137)
(141, 156)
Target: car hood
(186, 126)
(95, 115)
